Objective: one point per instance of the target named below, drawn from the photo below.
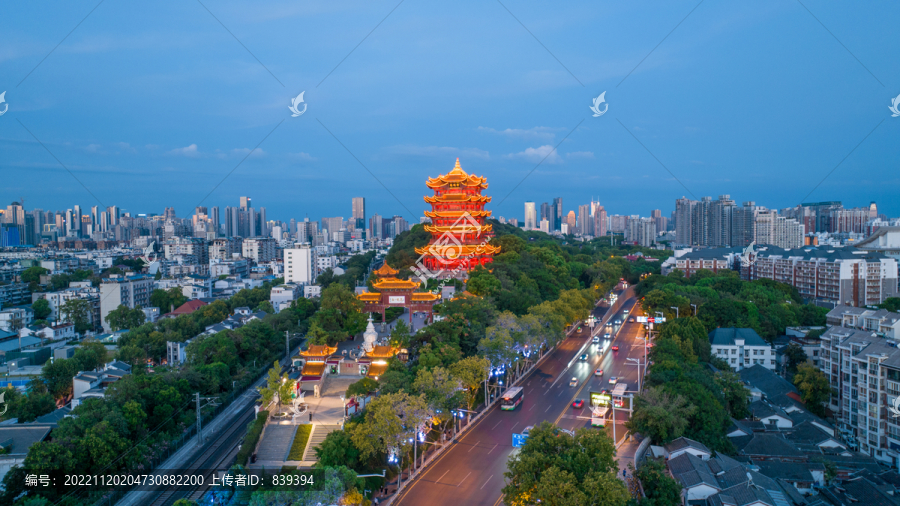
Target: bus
(512, 398)
(618, 394)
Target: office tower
(168, 214)
(599, 221)
(700, 222)
(359, 212)
(76, 215)
(570, 219)
(252, 223)
(245, 203)
(545, 213)
(376, 227)
(530, 216)
(584, 220)
(656, 213)
(684, 210)
(263, 223)
(641, 231)
(557, 210)
(292, 228)
(114, 213)
(307, 231)
(232, 221)
(332, 225)
(277, 232)
(873, 211)
(85, 228)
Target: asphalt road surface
(471, 472)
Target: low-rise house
(686, 445)
(741, 348)
(16, 439)
(94, 383)
(880, 321)
(14, 318)
(186, 308)
(283, 296)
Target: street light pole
(695, 309)
(676, 311)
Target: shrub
(254, 429)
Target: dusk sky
(153, 104)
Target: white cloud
(188, 151)
(125, 147)
(536, 133)
(439, 151)
(92, 148)
(585, 155)
(547, 153)
(257, 153)
(301, 157)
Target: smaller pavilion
(314, 359)
(395, 292)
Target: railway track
(214, 456)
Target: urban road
(471, 471)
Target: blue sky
(152, 104)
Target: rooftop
(727, 337)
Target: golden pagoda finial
(458, 169)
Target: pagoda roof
(458, 214)
(456, 177)
(385, 271)
(456, 198)
(317, 350)
(313, 369)
(464, 250)
(382, 352)
(460, 229)
(395, 284)
(425, 297)
(369, 297)
(376, 370)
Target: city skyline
(130, 135)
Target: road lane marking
(548, 409)
(442, 476)
(492, 449)
(514, 426)
(495, 426)
(473, 446)
(532, 406)
(464, 479)
(486, 482)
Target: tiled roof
(766, 380)
(683, 442)
(770, 445)
(727, 336)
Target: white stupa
(369, 337)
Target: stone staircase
(315, 440)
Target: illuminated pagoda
(395, 292)
(459, 235)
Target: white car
(573, 382)
(527, 430)
(613, 380)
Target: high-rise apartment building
(786, 233)
(224, 248)
(572, 222)
(743, 224)
(376, 227)
(849, 220)
(546, 214)
(259, 249)
(684, 211)
(600, 221)
(530, 216)
(300, 264)
(332, 225)
(821, 214)
(720, 221)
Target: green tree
(58, 374)
(795, 356)
(471, 373)
(33, 274)
(273, 382)
(555, 468)
(400, 335)
(660, 416)
(90, 355)
(124, 317)
(338, 449)
(660, 487)
(362, 388)
(814, 388)
(735, 394)
(891, 303)
(77, 311)
(441, 390)
(41, 309)
(390, 422)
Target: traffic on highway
(560, 389)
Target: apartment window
(755, 352)
(747, 361)
(773, 362)
(733, 351)
(734, 361)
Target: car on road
(613, 380)
(578, 403)
(607, 335)
(595, 339)
(615, 348)
(526, 430)
(631, 320)
(625, 312)
(618, 321)
(584, 356)
(579, 330)
(573, 382)
(598, 372)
